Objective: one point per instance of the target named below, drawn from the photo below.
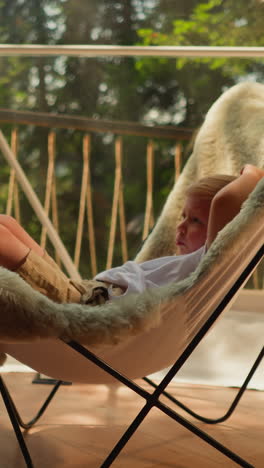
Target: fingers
(253, 171)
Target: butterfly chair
(135, 335)
(167, 323)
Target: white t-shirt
(136, 277)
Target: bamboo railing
(49, 209)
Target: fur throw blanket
(27, 315)
(231, 136)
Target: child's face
(192, 231)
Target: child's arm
(227, 202)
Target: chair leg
(233, 404)
(15, 424)
(29, 424)
(17, 421)
(204, 436)
(152, 400)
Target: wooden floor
(84, 422)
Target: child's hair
(207, 187)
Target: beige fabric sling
(138, 334)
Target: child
(210, 204)
(190, 240)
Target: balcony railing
(88, 127)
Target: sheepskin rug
(26, 315)
(231, 135)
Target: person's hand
(227, 202)
(253, 171)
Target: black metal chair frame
(152, 399)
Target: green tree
(211, 23)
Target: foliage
(216, 23)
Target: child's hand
(227, 202)
(253, 171)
